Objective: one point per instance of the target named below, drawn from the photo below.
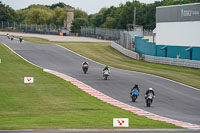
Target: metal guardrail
(172, 61)
(125, 51)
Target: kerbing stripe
(119, 104)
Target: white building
(178, 25)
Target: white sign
(28, 79)
(0, 60)
(120, 122)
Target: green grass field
(52, 103)
(104, 53)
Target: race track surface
(172, 100)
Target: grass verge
(104, 53)
(52, 103)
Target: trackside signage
(120, 122)
(0, 60)
(28, 80)
(178, 13)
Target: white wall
(178, 33)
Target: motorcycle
(134, 95)
(8, 36)
(20, 40)
(106, 73)
(85, 68)
(149, 99)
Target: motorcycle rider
(85, 63)
(136, 88)
(20, 39)
(8, 36)
(106, 68)
(149, 91)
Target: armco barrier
(172, 61)
(124, 51)
(156, 59)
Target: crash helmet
(150, 89)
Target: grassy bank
(52, 103)
(102, 52)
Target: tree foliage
(60, 4)
(77, 23)
(123, 15)
(59, 15)
(78, 13)
(113, 17)
(7, 13)
(39, 15)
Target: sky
(90, 6)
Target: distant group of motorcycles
(12, 37)
(149, 96)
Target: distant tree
(21, 15)
(38, 15)
(77, 23)
(123, 15)
(60, 4)
(110, 23)
(7, 13)
(78, 13)
(59, 16)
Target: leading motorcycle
(85, 68)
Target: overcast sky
(90, 6)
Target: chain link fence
(101, 33)
(31, 28)
(121, 37)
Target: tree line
(113, 17)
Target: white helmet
(150, 89)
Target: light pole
(134, 15)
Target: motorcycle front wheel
(148, 102)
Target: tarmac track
(172, 100)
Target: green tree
(77, 23)
(38, 15)
(110, 23)
(7, 13)
(21, 15)
(60, 4)
(78, 13)
(59, 16)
